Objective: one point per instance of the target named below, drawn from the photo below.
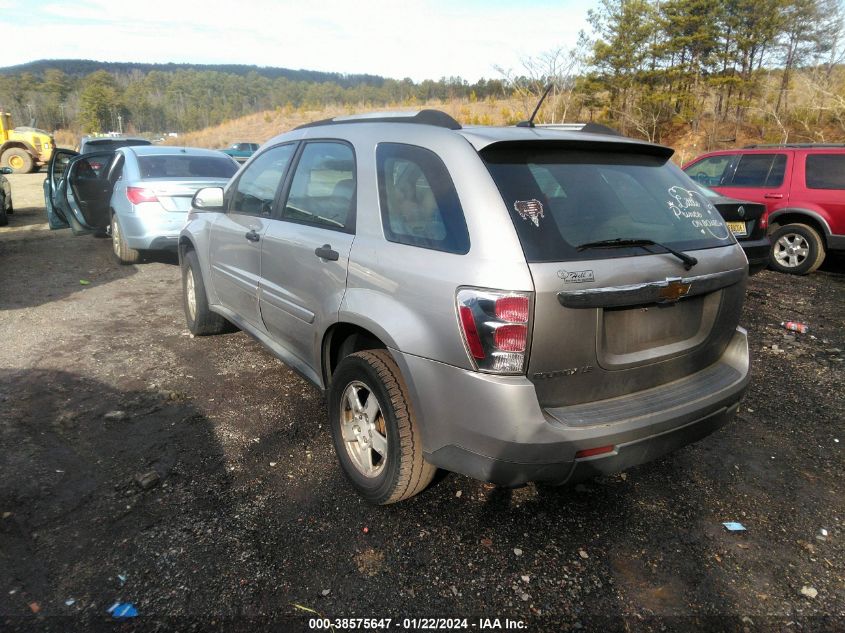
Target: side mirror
(208, 199)
(5, 170)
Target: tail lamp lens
(512, 309)
(495, 327)
(510, 338)
(137, 195)
(471, 333)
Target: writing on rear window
(690, 206)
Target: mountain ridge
(82, 67)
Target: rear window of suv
(559, 199)
(826, 171)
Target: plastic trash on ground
(795, 326)
(121, 610)
(733, 526)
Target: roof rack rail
(421, 117)
(793, 145)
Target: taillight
(764, 220)
(137, 195)
(495, 326)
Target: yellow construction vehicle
(24, 149)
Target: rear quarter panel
(405, 294)
(826, 205)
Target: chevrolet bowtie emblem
(674, 290)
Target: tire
(398, 471)
(797, 249)
(18, 159)
(3, 219)
(201, 320)
(121, 250)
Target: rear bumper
(757, 253)
(492, 427)
(155, 230)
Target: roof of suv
(585, 136)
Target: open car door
(80, 191)
(55, 174)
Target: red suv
(803, 188)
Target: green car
(240, 150)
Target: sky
(425, 39)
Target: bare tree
(560, 67)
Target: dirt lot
(100, 381)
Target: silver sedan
(139, 195)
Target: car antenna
(530, 121)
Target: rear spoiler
(605, 146)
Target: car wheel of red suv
(796, 249)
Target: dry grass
(66, 138)
(262, 126)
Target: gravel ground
(251, 526)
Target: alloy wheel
(191, 294)
(115, 236)
(362, 427)
(791, 250)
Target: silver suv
(515, 304)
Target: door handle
(252, 236)
(774, 196)
(325, 252)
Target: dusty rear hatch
(612, 319)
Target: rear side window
(186, 166)
(711, 171)
(561, 199)
(826, 171)
(322, 191)
(419, 204)
(759, 170)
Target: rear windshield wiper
(689, 260)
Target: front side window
(256, 188)
(322, 191)
(711, 171)
(419, 204)
(826, 171)
(759, 170)
(561, 199)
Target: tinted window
(323, 188)
(186, 166)
(759, 170)
(826, 171)
(59, 166)
(106, 144)
(419, 204)
(560, 199)
(710, 171)
(256, 188)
